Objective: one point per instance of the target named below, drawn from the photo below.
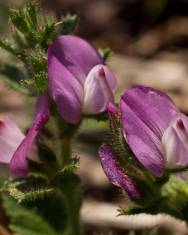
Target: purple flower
(78, 81)
(15, 147)
(155, 130)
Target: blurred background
(149, 40)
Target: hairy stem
(66, 150)
(73, 213)
(69, 187)
(70, 192)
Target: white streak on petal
(98, 89)
(175, 142)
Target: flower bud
(78, 81)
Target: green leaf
(105, 53)
(32, 38)
(73, 165)
(32, 10)
(68, 24)
(25, 221)
(28, 85)
(41, 82)
(14, 85)
(19, 39)
(12, 75)
(5, 44)
(52, 207)
(4, 14)
(12, 72)
(48, 34)
(29, 189)
(38, 60)
(17, 17)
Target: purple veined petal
(98, 90)
(42, 105)
(65, 89)
(10, 139)
(18, 164)
(76, 54)
(111, 79)
(145, 145)
(145, 114)
(151, 106)
(115, 174)
(175, 142)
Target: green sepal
(68, 24)
(105, 53)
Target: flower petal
(65, 89)
(18, 164)
(112, 109)
(152, 107)
(114, 172)
(144, 144)
(175, 142)
(146, 113)
(76, 54)
(10, 139)
(98, 89)
(110, 78)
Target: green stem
(69, 184)
(70, 194)
(66, 150)
(177, 170)
(73, 213)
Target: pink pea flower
(155, 130)
(15, 146)
(79, 82)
